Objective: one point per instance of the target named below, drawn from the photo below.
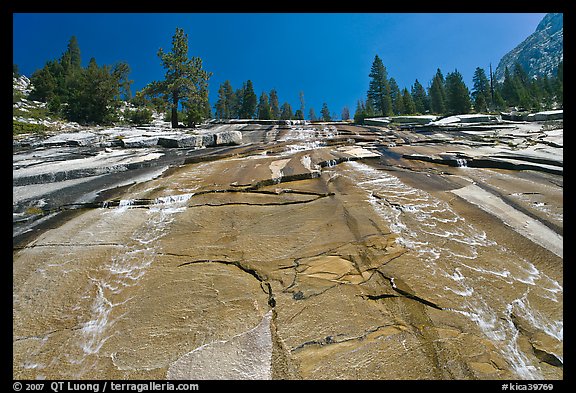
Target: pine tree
(559, 84)
(437, 94)
(222, 106)
(286, 112)
(379, 88)
(274, 105)
(312, 114)
(74, 51)
(249, 101)
(184, 78)
(480, 104)
(420, 98)
(302, 106)
(360, 113)
(457, 94)
(238, 102)
(481, 90)
(499, 102)
(264, 107)
(369, 109)
(396, 97)
(325, 112)
(44, 85)
(94, 94)
(508, 90)
(345, 113)
(408, 103)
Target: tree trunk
(175, 109)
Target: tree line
(84, 95)
(94, 94)
(242, 103)
(449, 95)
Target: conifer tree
(508, 90)
(379, 88)
(360, 113)
(407, 103)
(184, 79)
(481, 90)
(457, 94)
(264, 107)
(437, 94)
(222, 106)
(419, 97)
(499, 102)
(74, 51)
(325, 112)
(559, 85)
(274, 105)
(302, 106)
(286, 112)
(345, 113)
(396, 97)
(312, 114)
(249, 101)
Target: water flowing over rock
(291, 251)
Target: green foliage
(345, 113)
(420, 98)
(379, 94)
(312, 114)
(193, 116)
(408, 106)
(437, 94)
(55, 105)
(19, 127)
(226, 101)
(138, 116)
(91, 94)
(481, 90)
(274, 105)
(396, 97)
(286, 113)
(249, 101)
(457, 94)
(264, 112)
(325, 112)
(184, 81)
(360, 113)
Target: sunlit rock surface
(310, 251)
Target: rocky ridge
(540, 53)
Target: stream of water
(484, 281)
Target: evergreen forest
(95, 94)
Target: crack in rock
(264, 284)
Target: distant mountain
(540, 53)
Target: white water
(462, 163)
(462, 265)
(109, 283)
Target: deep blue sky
(327, 56)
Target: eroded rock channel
(307, 251)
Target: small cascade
(461, 258)
(461, 163)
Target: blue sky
(326, 56)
